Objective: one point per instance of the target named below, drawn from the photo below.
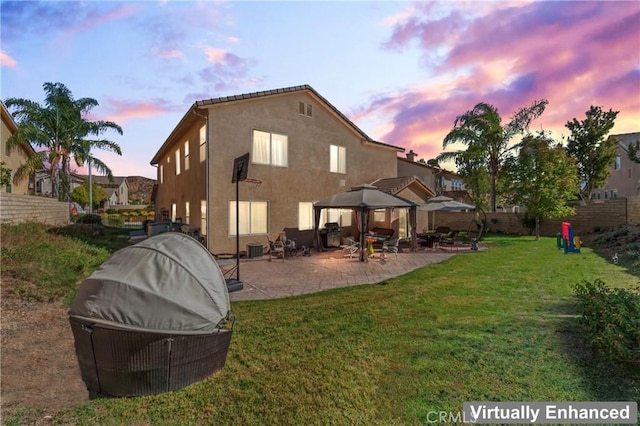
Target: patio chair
(276, 249)
(351, 249)
(390, 246)
(449, 240)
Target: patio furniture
(154, 317)
(351, 249)
(449, 240)
(276, 249)
(391, 247)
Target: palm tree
(59, 131)
(481, 130)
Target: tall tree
(481, 130)
(472, 169)
(633, 151)
(81, 194)
(591, 150)
(60, 131)
(542, 178)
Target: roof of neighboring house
(625, 139)
(205, 103)
(396, 184)
(7, 118)
(435, 169)
(102, 180)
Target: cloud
(6, 60)
(575, 54)
(227, 70)
(122, 111)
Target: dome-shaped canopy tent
(154, 317)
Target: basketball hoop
(254, 184)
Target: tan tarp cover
(168, 282)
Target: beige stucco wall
(13, 160)
(305, 179)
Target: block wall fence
(26, 208)
(599, 215)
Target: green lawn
(496, 325)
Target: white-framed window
(337, 159)
(379, 215)
(616, 164)
(340, 216)
(203, 145)
(614, 193)
(269, 148)
(174, 212)
(305, 216)
(187, 212)
(203, 217)
(161, 173)
(177, 161)
(254, 217)
(186, 156)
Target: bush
(93, 219)
(612, 317)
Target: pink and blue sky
(402, 71)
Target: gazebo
(362, 199)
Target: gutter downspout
(206, 171)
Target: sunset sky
(402, 71)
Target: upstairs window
(177, 161)
(269, 148)
(616, 164)
(203, 145)
(186, 155)
(161, 173)
(337, 159)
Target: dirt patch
(620, 240)
(40, 373)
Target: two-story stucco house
(300, 147)
(16, 157)
(442, 181)
(624, 180)
(117, 189)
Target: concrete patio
(264, 279)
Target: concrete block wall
(26, 208)
(601, 214)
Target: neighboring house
(301, 148)
(16, 157)
(117, 189)
(624, 180)
(439, 179)
(43, 182)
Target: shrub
(93, 219)
(612, 317)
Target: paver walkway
(273, 279)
